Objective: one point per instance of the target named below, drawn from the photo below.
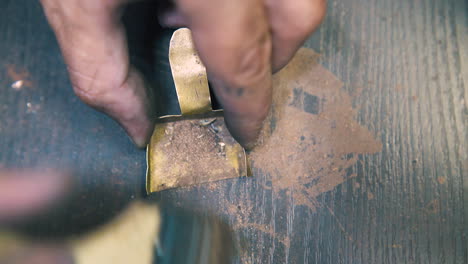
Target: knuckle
(95, 82)
(85, 93)
(89, 89)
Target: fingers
(24, 193)
(94, 47)
(233, 40)
(292, 22)
(239, 42)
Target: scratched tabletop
(395, 71)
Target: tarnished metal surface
(195, 146)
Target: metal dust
(310, 144)
(190, 152)
(313, 137)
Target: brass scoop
(193, 147)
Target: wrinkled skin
(240, 42)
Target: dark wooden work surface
(407, 204)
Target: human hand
(240, 42)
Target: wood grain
(404, 62)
